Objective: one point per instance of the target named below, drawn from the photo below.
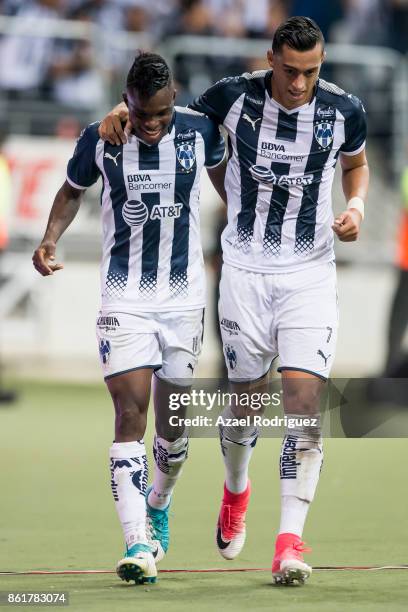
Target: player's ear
(269, 57)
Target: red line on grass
(328, 568)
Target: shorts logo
(231, 327)
(135, 213)
(196, 344)
(186, 156)
(104, 350)
(108, 323)
(231, 355)
(323, 356)
(323, 132)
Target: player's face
(295, 74)
(150, 117)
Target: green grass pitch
(57, 513)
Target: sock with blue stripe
(128, 466)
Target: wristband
(358, 204)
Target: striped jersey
(281, 169)
(152, 257)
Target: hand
(347, 225)
(43, 259)
(111, 129)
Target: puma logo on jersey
(109, 156)
(320, 352)
(251, 121)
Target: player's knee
(168, 431)
(131, 413)
(302, 399)
(231, 432)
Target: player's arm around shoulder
(115, 127)
(355, 179)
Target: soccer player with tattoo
(153, 288)
(286, 129)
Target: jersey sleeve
(216, 101)
(355, 128)
(82, 171)
(214, 145)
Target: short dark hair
(300, 33)
(149, 73)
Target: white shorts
(292, 315)
(167, 342)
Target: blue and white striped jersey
(281, 169)
(152, 257)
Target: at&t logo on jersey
(267, 177)
(135, 213)
(323, 132)
(186, 156)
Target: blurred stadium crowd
(63, 69)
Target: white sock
(293, 514)
(237, 445)
(128, 465)
(169, 458)
(301, 460)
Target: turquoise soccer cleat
(157, 529)
(138, 565)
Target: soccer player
(153, 287)
(286, 130)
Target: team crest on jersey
(186, 156)
(323, 132)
